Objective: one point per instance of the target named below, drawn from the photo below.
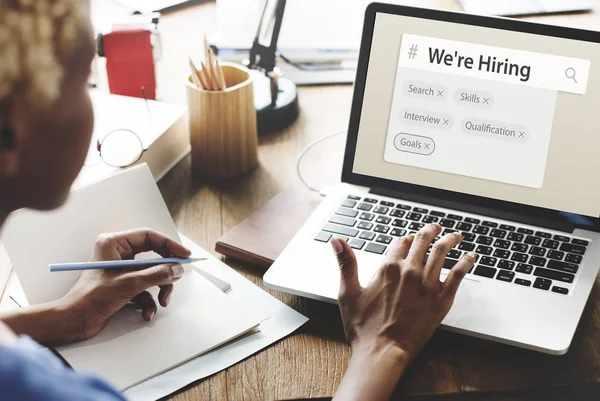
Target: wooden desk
(310, 363)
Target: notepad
(129, 350)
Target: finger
(349, 283)
(458, 271)
(136, 241)
(421, 243)
(146, 303)
(398, 250)
(159, 275)
(437, 256)
(164, 295)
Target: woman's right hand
(388, 322)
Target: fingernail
(168, 298)
(337, 246)
(152, 315)
(472, 255)
(177, 271)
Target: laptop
(525, 7)
(489, 127)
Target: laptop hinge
(552, 224)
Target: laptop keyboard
(505, 252)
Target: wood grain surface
(310, 363)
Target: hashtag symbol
(412, 51)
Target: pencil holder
(222, 125)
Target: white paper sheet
(129, 350)
(284, 321)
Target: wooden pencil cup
(222, 125)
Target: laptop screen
(496, 113)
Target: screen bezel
(513, 208)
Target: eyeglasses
(119, 148)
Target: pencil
(204, 71)
(220, 75)
(195, 75)
(120, 264)
(212, 70)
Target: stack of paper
(130, 351)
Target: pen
(120, 264)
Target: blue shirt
(29, 372)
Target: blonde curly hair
(36, 37)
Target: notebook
(129, 350)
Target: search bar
(500, 64)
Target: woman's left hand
(99, 294)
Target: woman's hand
(99, 294)
(388, 322)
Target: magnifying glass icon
(570, 73)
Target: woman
(46, 121)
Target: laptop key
(369, 236)
(403, 207)
(482, 239)
(384, 239)
(533, 240)
(548, 243)
(507, 227)
(342, 237)
(571, 248)
(397, 213)
(349, 203)
(455, 217)
(400, 223)
(466, 246)
(472, 220)
(448, 231)
(454, 254)
(375, 248)
(398, 232)
(416, 226)
(483, 250)
(502, 244)
(524, 231)
(521, 281)
(420, 210)
(554, 275)
(537, 251)
(346, 212)
(543, 234)
(560, 290)
(364, 225)
(383, 220)
(489, 224)
(356, 243)
(345, 221)
(481, 230)
(353, 197)
(462, 226)
(542, 284)
(505, 275)
(519, 257)
(468, 237)
(430, 219)
(496, 233)
(367, 216)
(557, 255)
(335, 229)
(488, 261)
(485, 271)
(580, 242)
(515, 237)
(323, 237)
(447, 223)
(537, 261)
(501, 253)
(414, 216)
(379, 228)
(563, 266)
(365, 206)
(561, 238)
(524, 268)
(573, 258)
(506, 264)
(371, 200)
(519, 248)
(381, 210)
(437, 213)
(386, 203)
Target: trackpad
(462, 309)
